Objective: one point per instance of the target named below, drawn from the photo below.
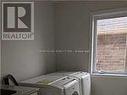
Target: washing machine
(43, 79)
(54, 85)
(83, 77)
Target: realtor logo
(17, 21)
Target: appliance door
(75, 93)
(35, 93)
(72, 88)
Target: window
(110, 43)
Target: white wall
(73, 32)
(107, 85)
(23, 58)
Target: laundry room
(63, 47)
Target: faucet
(8, 77)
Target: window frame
(107, 14)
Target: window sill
(110, 75)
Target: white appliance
(54, 85)
(83, 77)
(68, 86)
(44, 79)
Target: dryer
(85, 82)
(83, 77)
(68, 86)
